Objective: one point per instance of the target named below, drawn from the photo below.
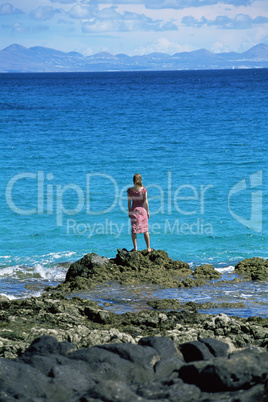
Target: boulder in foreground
(154, 369)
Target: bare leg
(134, 241)
(147, 241)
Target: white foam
(46, 266)
(229, 292)
(53, 273)
(228, 269)
(245, 296)
(9, 271)
(23, 296)
(57, 255)
(10, 297)
(237, 294)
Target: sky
(134, 27)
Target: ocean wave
(21, 272)
(226, 270)
(51, 265)
(22, 295)
(43, 258)
(10, 297)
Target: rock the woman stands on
(138, 211)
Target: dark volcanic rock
(253, 268)
(152, 370)
(203, 349)
(149, 355)
(195, 350)
(216, 347)
(48, 345)
(241, 371)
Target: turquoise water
(70, 144)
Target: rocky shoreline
(58, 347)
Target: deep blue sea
(70, 144)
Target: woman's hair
(137, 180)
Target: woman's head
(137, 180)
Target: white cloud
(240, 21)
(108, 19)
(87, 51)
(100, 26)
(136, 26)
(180, 4)
(22, 29)
(63, 1)
(63, 21)
(226, 41)
(18, 27)
(44, 13)
(81, 12)
(8, 9)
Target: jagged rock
(133, 356)
(253, 268)
(4, 302)
(174, 304)
(127, 267)
(154, 259)
(206, 271)
(85, 324)
(86, 266)
(190, 283)
(165, 304)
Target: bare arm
(146, 204)
(129, 204)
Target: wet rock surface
(253, 268)
(156, 267)
(206, 271)
(174, 304)
(127, 267)
(84, 324)
(62, 348)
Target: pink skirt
(139, 220)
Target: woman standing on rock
(138, 211)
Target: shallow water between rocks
(121, 298)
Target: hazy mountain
(17, 58)
(257, 52)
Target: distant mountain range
(17, 58)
